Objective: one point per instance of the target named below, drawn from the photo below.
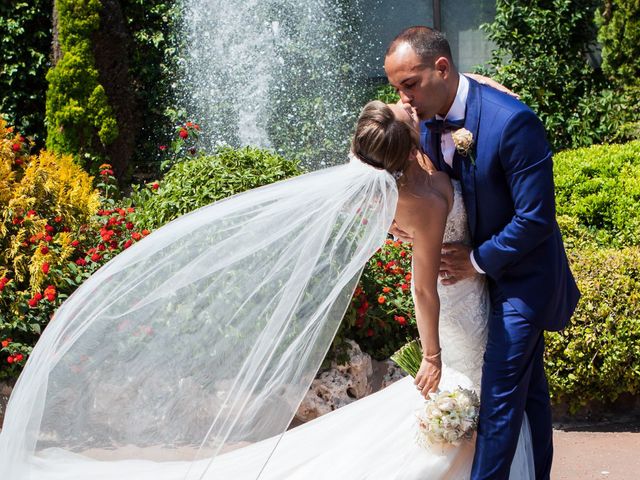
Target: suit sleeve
(527, 163)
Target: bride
(187, 355)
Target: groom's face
(419, 85)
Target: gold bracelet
(429, 358)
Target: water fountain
(279, 74)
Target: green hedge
(598, 194)
(25, 44)
(198, 181)
(597, 356)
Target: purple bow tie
(443, 126)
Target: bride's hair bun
(381, 140)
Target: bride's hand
(428, 377)
(492, 83)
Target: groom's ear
(443, 66)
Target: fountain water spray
(280, 74)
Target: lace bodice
(463, 306)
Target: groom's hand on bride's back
(455, 263)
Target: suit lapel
(429, 145)
(471, 123)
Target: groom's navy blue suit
(508, 192)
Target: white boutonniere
(463, 140)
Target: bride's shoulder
(414, 209)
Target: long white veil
(201, 339)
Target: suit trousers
(513, 382)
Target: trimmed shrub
(80, 120)
(198, 181)
(598, 194)
(596, 356)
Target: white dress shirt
(456, 112)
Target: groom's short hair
(428, 43)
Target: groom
(508, 191)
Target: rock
(393, 374)
(338, 386)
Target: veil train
(200, 339)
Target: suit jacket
(508, 192)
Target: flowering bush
(381, 315)
(183, 145)
(55, 231)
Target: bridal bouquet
(448, 417)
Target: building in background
(460, 20)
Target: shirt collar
(457, 110)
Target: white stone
(338, 386)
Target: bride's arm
(427, 218)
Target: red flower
(183, 133)
(403, 253)
(130, 209)
(16, 147)
(44, 249)
(155, 186)
(95, 257)
(34, 300)
(66, 229)
(128, 243)
(18, 220)
(400, 320)
(106, 173)
(362, 309)
(386, 289)
(50, 293)
(49, 228)
(101, 247)
(58, 219)
(136, 236)
(31, 213)
(45, 268)
(10, 359)
(370, 333)
(407, 277)
(19, 357)
(365, 221)
(145, 232)
(404, 287)
(196, 126)
(5, 343)
(129, 225)
(19, 161)
(75, 243)
(48, 238)
(189, 124)
(381, 299)
(81, 262)
(162, 148)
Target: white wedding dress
(175, 362)
(374, 438)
